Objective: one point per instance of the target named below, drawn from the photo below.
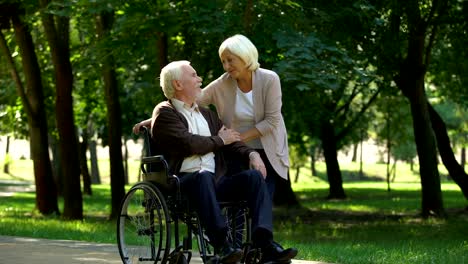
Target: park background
(77, 73)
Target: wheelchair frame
(153, 206)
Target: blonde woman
(248, 99)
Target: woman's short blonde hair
(170, 72)
(243, 48)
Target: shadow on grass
(350, 176)
(365, 205)
(362, 205)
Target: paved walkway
(21, 250)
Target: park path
(22, 250)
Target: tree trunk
(354, 155)
(335, 181)
(84, 164)
(410, 81)
(425, 144)
(389, 150)
(56, 164)
(361, 160)
(394, 168)
(95, 177)
(455, 170)
(114, 115)
(33, 102)
(126, 178)
(162, 48)
(57, 34)
(312, 161)
(6, 165)
(248, 14)
(298, 171)
(463, 157)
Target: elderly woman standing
(248, 99)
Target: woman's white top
(244, 118)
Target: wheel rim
(143, 228)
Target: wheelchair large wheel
(143, 226)
(238, 235)
(238, 225)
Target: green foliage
(12, 117)
(394, 127)
(323, 83)
(456, 121)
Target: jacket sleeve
(170, 131)
(272, 104)
(207, 94)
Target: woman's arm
(250, 134)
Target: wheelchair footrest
(178, 256)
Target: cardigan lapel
(230, 103)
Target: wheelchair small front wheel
(143, 226)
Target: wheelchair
(156, 223)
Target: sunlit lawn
(372, 225)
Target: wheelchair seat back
(154, 167)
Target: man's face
(190, 82)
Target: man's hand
(256, 163)
(228, 135)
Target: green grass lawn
(372, 225)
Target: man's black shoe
(229, 254)
(275, 254)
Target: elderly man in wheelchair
(192, 140)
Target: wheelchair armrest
(153, 159)
(160, 176)
(156, 160)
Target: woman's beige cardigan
(266, 93)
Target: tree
(409, 66)
(448, 74)
(104, 25)
(331, 95)
(33, 103)
(56, 29)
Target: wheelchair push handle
(144, 129)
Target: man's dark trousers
(204, 192)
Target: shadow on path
(21, 250)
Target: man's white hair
(170, 72)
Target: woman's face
(233, 64)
